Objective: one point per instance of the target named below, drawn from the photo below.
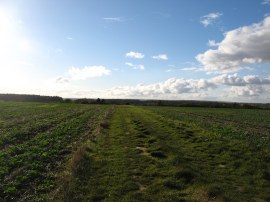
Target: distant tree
(98, 101)
(159, 103)
(67, 100)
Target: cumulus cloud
(160, 57)
(171, 86)
(250, 86)
(233, 86)
(235, 80)
(135, 55)
(246, 91)
(88, 72)
(232, 80)
(210, 19)
(229, 71)
(140, 66)
(243, 46)
(266, 2)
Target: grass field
(72, 152)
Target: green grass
(36, 140)
(69, 152)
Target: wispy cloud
(266, 2)
(114, 19)
(210, 19)
(189, 69)
(129, 64)
(140, 66)
(135, 55)
(88, 72)
(69, 38)
(160, 57)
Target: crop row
(254, 117)
(29, 168)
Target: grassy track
(144, 156)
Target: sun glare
(12, 47)
(5, 18)
(7, 34)
(25, 46)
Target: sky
(175, 49)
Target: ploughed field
(74, 152)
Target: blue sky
(156, 49)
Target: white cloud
(129, 64)
(231, 80)
(171, 86)
(140, 66)
(235, 80)
(229, 71)
(243, 46)
(246, 91)
(160, 57)
(113, 19)
(233, 87)
(135, 55)
(88, 72)
(210, 19)
(266, 2)
(212, 43)
(69, 38)
(189, 69)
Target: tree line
(176, 103)
(30, 98)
